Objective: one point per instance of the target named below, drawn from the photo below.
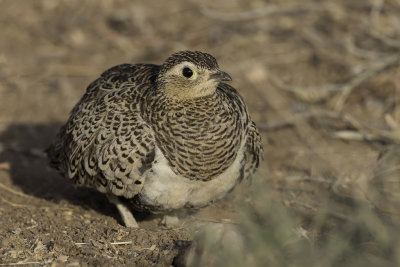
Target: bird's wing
(254, 151)
(105, 143)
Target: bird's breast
(165, 190)
(199, 147)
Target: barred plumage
(166, 137)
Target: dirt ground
(321, 80)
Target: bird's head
(190, 74)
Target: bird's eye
(187, 72)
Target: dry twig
(262, 12)
(307, 94)
(13, 191)
(364, 76)
(270, 126)
(25, 263)
(364, 133)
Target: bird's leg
(124, 211)
(170, 220)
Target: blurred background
(321, 80)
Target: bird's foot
(170, 221)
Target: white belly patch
(166, 190)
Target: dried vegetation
(321, 79)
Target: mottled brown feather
(109, 140)
(105, 143)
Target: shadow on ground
(23, 148)
(60, 232)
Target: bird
(159, 138)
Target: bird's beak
(221, 76)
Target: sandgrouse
(161, 137)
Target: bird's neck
(185, 93)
